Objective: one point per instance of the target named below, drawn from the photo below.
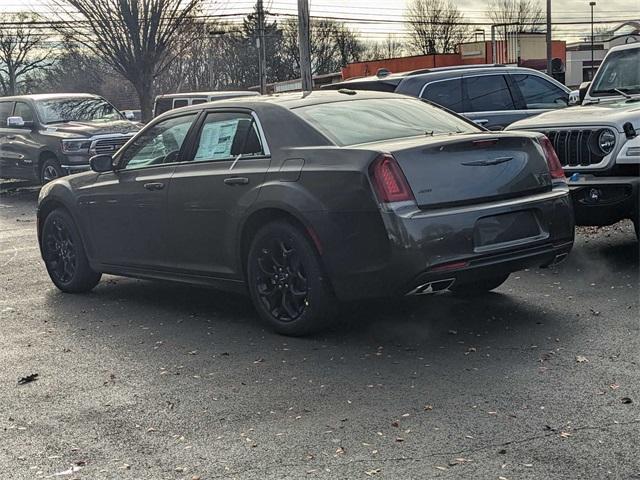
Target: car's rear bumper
(604, 200)
(433, 245)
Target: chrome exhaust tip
(432, 287)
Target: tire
(484, 285)
(286, 281)
(50, 170)
(64, 254)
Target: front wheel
(64, 255)
(286, 281)
(50, 170)
(481, 286)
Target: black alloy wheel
(286, 280)
(60, 251)
(64, 255)
(50, 170)
(281, 281)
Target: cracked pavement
(151, 380)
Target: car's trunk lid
(472, 168)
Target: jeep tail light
(389, 182)
(553, 162)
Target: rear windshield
(378, 119)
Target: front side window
(354, 122)
(159, 144)
(226, 135)
(488, 93)
(5, 112)
(539, 93)
(620, 71)
(447, 93)
(77, 110)
(23, 110)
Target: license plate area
(507, 229)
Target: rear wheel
(481, 286)
(286, 282)
(64, 254)
(50, 170)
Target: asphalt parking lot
(146, 380)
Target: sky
(378, 18)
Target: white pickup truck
(598, 142)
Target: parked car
(598, 142)
(289, 197)
(493, 96)
(164, 103)
(43, 137)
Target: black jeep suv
(43, 137)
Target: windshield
(620, 71)
(77, 110)
(377, 119)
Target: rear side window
(354, 122)
(447, 93)
(539, 93)
(162, 105)
(488, 93)
(5, 112)
(198, 101)
(183, 102)
(225, 135)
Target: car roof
(238, 93)
(628, 46)
(291, 100)
(48, 96)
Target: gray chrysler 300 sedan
(304, 200)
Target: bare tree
(527, 14)
(333, 45)
(436, 26)
(22, 51)
(137, 38)
(390, 47)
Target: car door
(20, 145)
(537, 94)
(128, 206)
(7, 164)
(488, 101)
(209, 194)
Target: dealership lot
(153, 380)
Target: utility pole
(304, 43)
(549, 40)
(262, 60)
(592, 4)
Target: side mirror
(584, 86)
(574, 98)
(129, 115)
(101, 163)
(18, 122)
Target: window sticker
(216, 140)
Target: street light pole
(549, 39)
(592, 4)
(304, 44)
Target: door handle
(154, 186)
(236, 181)
(11, 137)
(482, 121)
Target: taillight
(553, 162)
(388, 180)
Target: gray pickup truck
(43, 137)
